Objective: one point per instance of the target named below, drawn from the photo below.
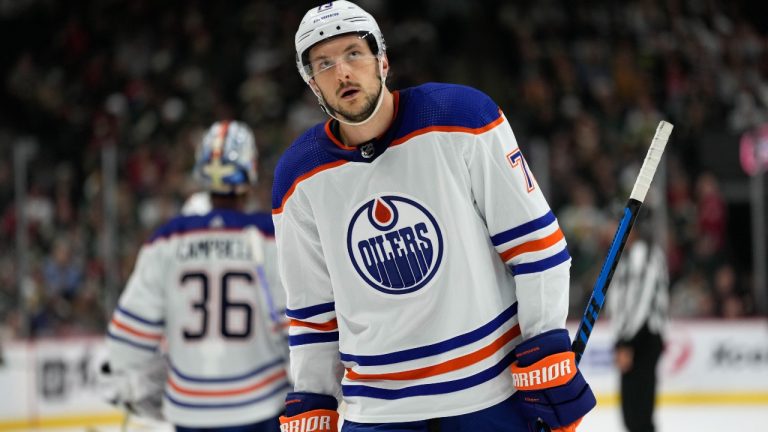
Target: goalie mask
(328, 21)
(226, 158)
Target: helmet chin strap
(329, 111)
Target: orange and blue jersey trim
(445, 367)
(317, 332)
(537, 244)
(524, 229)
(533, 246)
(481, 354)
(187, 391)
(436, 348)
(431, 388)
(452, 129)
(213, 392)
(284, 387)
(132, 329)
(135, 332)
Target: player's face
(346, 73)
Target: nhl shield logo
(395, 244)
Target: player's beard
(369, 106)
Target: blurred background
(103, 101)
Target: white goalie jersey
(206, 290)
(415, 263)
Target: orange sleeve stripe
(532, 246)
(326, 326)
(445, 367)
(303, 177)
(135, 332)
(474, 131)
(266, 381)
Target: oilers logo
(395, 244)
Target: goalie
(205, 287)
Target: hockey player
(204, 285)
(420, 258)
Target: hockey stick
(628, 218)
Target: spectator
(63, 275)
(146, 77)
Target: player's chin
(354, 118)
(350, 104)
(351, 113)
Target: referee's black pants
(638, 384)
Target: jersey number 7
(516, 159)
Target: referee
(638, 309)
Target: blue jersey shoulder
(436, 105)
(305, 154)
(225, 219)
(263, 221)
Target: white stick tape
(651, 161)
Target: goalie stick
(629, 215)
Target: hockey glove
(549, 385)
(305, 412)
(138, 391)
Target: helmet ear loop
(382, 77)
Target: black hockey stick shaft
(629, 215)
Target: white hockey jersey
(207, 287)
(411, 275)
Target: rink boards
(53, 383)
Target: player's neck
(229, 202)
(374, 128)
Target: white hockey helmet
(227, 157)
(330, 20)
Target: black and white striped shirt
(640, 291)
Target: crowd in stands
(584, 87)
